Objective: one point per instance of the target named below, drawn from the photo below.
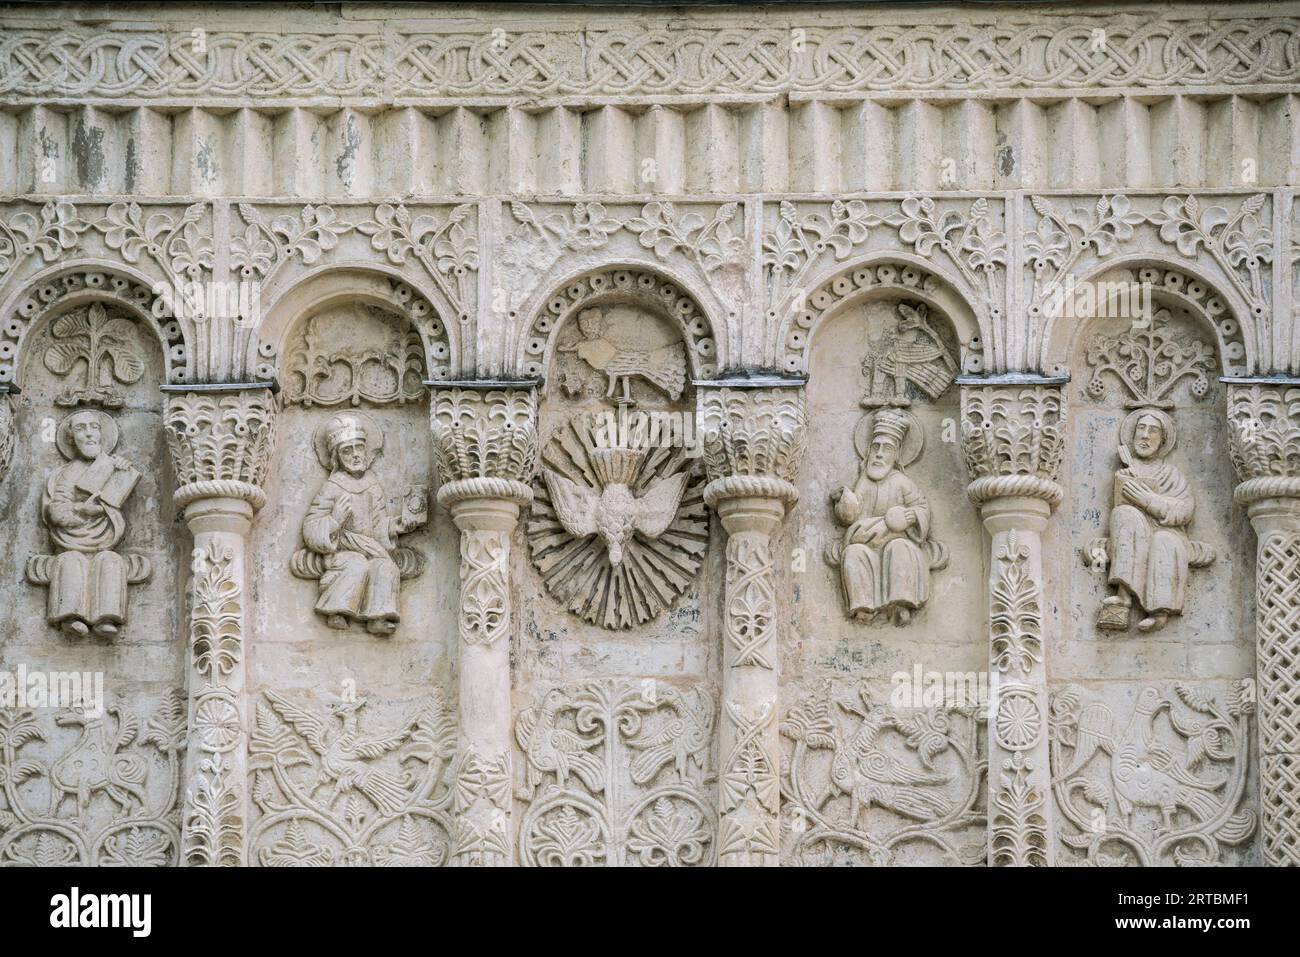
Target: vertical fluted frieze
(485, 446)
(1012, 440)
(753, 441)
(220, 444)
(1264, 435)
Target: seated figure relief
(1149, 551)
(886, 554)
(351, 533)
(81, 506)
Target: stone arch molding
(872, 278)
(353, 283)
(1215, 309)
(66, 286)
(652, 289)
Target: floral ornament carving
(1264, 439)
(102, 791)
(481, 803)
(710, 244)
(319, 375)
(1149, 361)
(174, 243)
(1017, 814)
(104, 346)
(617, 531)
(216, 616)
(52, 231)
(617, 775)
(1015, 612)
(327, 791)
(1164, 787)
(220, 443)
(1058, 238)
(266, 244)
(484, 434)
(867, 783)
(1013, 438)
(753, 432)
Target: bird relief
(910, 357)
(618, 526)
(82, 508)
(1164, 787)
(613, 344)
(351, 531)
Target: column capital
(1013, 437)
(485, 440)
(1264, 441)
(220, 439)
(753, 438)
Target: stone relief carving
(1148, 551)
(867, 783)
(328, 792)
(321, 371)
(8, 434)
(220, 444)
(350, 533)
(104, 790)
(618, 775)
(664, 367)
(887, 552)
(104, 346)
(1164, 787)
(618, 529)
(911, 354)
(81, 506)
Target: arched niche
(1124, 357)
(851, 328)
(891, 276)
(328, 287)
(74, 284)
(91, 347)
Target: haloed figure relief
(82, 508)
(1148, 550)
(351, 533)
(887, 553)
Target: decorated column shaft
(220, 441)
(486, 449)
(1265, 448)
(1012, 435)
(753, 442)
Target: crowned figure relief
(886, 553)
(351, 534)
(81, 506)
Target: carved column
(1265, 448)
(753, 441)
(485, 441)
(1012, 438)
(220, 439)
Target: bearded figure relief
(887, 554)
(82, 508)
(1149, 552)
(351, 532)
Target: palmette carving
(81, 506)
(484, 434)
(1013, 438)
(866, 783)
(327, 792)
(1165, 787)
(91, 789)
(220, 443)
(617, 775)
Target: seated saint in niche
(886, 554)
(349, 525)
(1149, 549)
(82, 508)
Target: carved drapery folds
(220, 443)
(753, 441)
(1012, 435)
(485, 448)
(1264, 421)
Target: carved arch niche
(94, 577)
(618, 350)
(351, 352)
(1152, 568)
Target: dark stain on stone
(88, 153)
(1006, 160)
(131, 161)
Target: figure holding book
(82, 508)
